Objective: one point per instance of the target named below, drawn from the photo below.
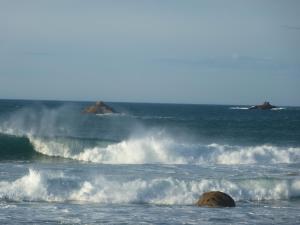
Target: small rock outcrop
(264, 106)
(215, 199)
(99, 108)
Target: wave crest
(230, 155)
(150, 148)
(157, 149)
(28, 188)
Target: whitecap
(36, 186)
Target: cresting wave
(46, 186)
(133, 151)
(150, 149)
(16, 148)
(153, 149)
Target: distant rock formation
(99, 108)
(215, 199)
(264, 106)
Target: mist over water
(65, 132)
(158, 155)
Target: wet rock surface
(215, 199)
(99, 108)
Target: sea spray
(30, 187)
(41, 121)
(165, 150)
(148, 166)
(151, 148)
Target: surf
(148, 148)
(56, 186)
(60, 132)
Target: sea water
(147, 164)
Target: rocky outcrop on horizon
(264, 106)
(99, 108)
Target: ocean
(147, 164)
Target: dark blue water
(149, 163)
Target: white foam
(50, 148)
(160, 148)
(225, 154)
(111, 114)
(30, 187)
(35, 186)
(239, 108)
(133, 151)
(278, 108)
(165, 150)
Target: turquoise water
(148, 164)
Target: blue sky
(217, 52)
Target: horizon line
(134, 102)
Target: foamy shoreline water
(35, 186)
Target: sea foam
(30, 187)
(37, 186)
(225, 154)
(165, 150)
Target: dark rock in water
(215, 199)
(264, 106)
(99, 108)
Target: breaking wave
(16, 148)
(56, 187)
(147, 149)
(152, 149)
(31, 133)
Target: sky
(166, 51)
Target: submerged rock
(215, 199)
(264, 106)
(99, 108)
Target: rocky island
(99, 108)
(264, 106)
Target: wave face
(57, 187)
(16, 148)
